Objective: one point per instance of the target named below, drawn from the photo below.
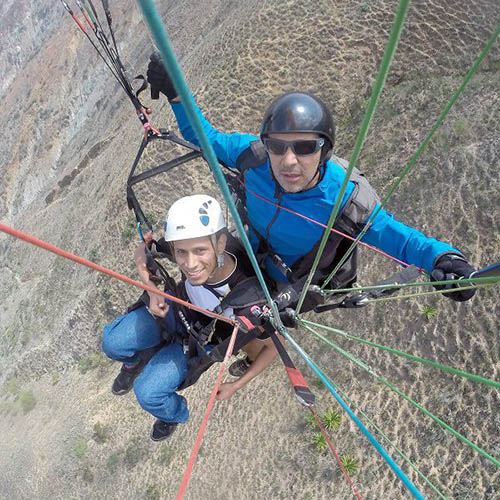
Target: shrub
(133, 453)
(350, 463)
(80, 448)
(460, 127)
(153, 492)
(27, 400)
(25, 338)
(112, 462)
(312, 421)
(13, 386)
(130, 229)
(101, 432)
(332, 420)
(90, 361)
(88, 475)
(429, 312)
(319, 383)
(319, 441)
(165, 456)
(93, 255)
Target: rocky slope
(69, 137)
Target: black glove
(289, 296)
(158, 78)
(288, 318)
(453, 267)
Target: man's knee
(143, 392)
(110, 344)
(150, 395)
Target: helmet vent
(193, 216)
(204, 217)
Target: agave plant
(350, 463)
(319, 441)
(332, 420)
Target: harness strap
(300, 387)
(216, 355)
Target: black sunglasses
(300, 147)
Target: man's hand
(159, 79)
(226, 391)
(453, 267)
(157, 305)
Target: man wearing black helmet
(292, 168)
(298, 133)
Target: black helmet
(300, 112)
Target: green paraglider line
(419, 151)
(390, 50)
(354, 289)
(434, 364)
(382, 380)
(435, 292)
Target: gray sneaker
(124, 381)
(162, 430)
(239, 367)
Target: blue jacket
(291, 236)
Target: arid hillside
(69, 138)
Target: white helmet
(192, 217)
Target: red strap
(80, 260)
(246, 322)
(296, 377)
(199, 437)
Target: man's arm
(405, 243)
(439, 259)
(227, 147)
(265, 357)
(157, 305)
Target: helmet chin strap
(219, 257)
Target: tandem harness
(201, 342)
(204, 342)
(244, 299)
(195, 336)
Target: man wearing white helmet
(196, 235)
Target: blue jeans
(155, 387)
